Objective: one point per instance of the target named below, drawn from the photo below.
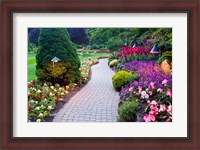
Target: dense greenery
(78, 36)
(55, 42)
(127, 112)
(123, 77)
(113, 38)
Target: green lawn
(32, 62)
(31, 67)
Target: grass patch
(86, 55)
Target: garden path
(95, 102)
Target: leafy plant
(165, 56)
(121, 78)
(113, 63)
(127, 111)
(56, 42)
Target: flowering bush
(128, 51)
(42, 99)
(158, 112)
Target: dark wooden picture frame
(8, 7)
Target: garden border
(191, 7)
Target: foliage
(164, 39)
(55, 42)
(78, 35)
(127, 111)
(112, 56)
(121, 78)
(113, 63)
(34, 35)
(32, 48)
(165, 56)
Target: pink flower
(164, 82)
(154, 103)
(169, 119)
(154, 110)
(150, 93)
(130, 89)
(162, 108)
(152, 118)
(169, 110)
(169, 92)
(159, 90)
(149, 118)
(152, 85)
(139, 88)
(146, 118)
(146, 96)
(143, 93)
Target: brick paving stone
(95, 102)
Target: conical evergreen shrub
(56, 42)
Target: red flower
(57, 100)
(34, 81)
(58, 96)
(47, 93)
(30, 85)
(30, 107)
(41, 96)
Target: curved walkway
(95, 102)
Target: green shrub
(165, 56)
(113, 63)
(112, 57)
(121, 78)
(133, 77)
(127, 111)
(56, 42)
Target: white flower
(38, 120)
(40, 115)
(49, 107)
(37, 108)
(50, 94)
(66, 92)
(42, 107)
(143, 93)
(52, 87)
(55, 90)
(62, 93)
(38, 91)
(45, 84)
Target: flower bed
(43, 98)
(153, 91)
(127, 51)
(85, 67)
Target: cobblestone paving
(96, 102)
